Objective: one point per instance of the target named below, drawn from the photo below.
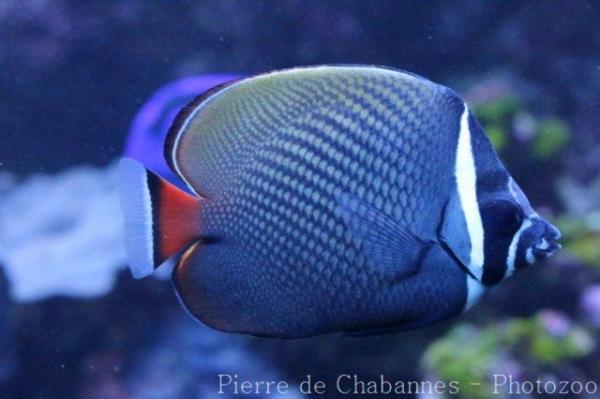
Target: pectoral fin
(391, 247)
(453, 233)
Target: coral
(542, 344)
(580, 223)
(61, 234)
(590, 304)
(552, 136)
(506, 118)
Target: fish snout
(554, 233)
(549, 244)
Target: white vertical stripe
(149, 224)
(466, 180)
(512, 249)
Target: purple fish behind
(146, 137)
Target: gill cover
(461, 230)
(454, 235)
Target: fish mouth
(547, 247)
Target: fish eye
(505, 216)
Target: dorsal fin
(180, 119)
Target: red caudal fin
(159, 218)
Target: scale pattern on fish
(349, 199)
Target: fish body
(327, 199)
